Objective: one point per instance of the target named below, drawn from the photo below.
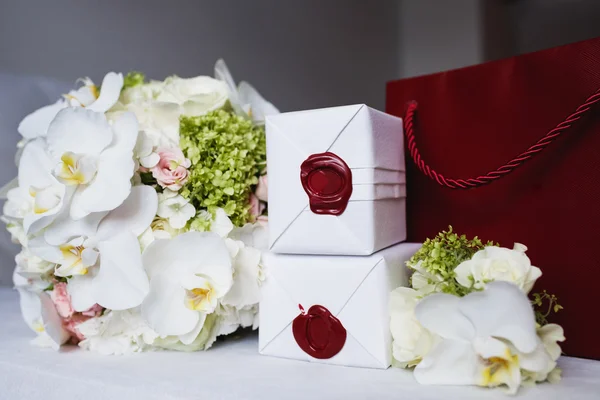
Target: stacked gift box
(337, 212)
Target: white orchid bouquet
(467, 320)
(141, 211)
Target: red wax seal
(327, 181)
(318, 332)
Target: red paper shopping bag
(510, 151)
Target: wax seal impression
(327, 181)
(318, 333)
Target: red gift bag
(510, 151)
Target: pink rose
(61, 299)
(262, 189)
(263, 220)
(171, 171)
(256, 206)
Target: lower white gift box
(331, 309)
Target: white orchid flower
(104, 261)
(93, 158)
(89, 95)
(189, 274)
(245, 99)
(175, 209)
(40, 314)
(486, 338)
(39, 196)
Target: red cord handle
(505, 169)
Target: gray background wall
(300, 54)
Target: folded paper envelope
(371, 144)
(354, 289)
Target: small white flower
(144, 151)
(189, 275)
(117, 332)
(36, 202)
(498, 264)
(248, 276)
(411, 342)
(175, 208)
(254, 235)
(89, 96)
(487, 338)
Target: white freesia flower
(144, 151)
(173, 207)
(254, 235)
(488, 337)
(188, 276)
(33, 268)
(248, 275)
(39, 197)
(40, 314)
(89, 96)
(117, 332)
(411, 342)
(196, 96)
(93, 158)
(244, 99)
(425, 282)
(549, 336)
(104, 259)
(498, 264)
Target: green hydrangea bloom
(441, 255)
(133, 78)
(227, 154)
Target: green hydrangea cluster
(228, 154)
(441, 255)
(133, 78)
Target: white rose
(411, 342)
(197, 95)
(498, 264)
(146, 91)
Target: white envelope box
(354, 289)
(370, 145)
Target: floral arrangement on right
(466, 318)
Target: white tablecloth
(232, 369)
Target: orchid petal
(79, 131)
(65, 228)
(164, 308)
(40, 248)
(36, 124)
(121, 282)
(52, 322)
(80, 290)
(134, 215)
(203, 253)
(112, 184)
(449, 363)
(13, 184)
(502, 311)
(440, 314)
(189, 337)
(35, 167)
(109, 92)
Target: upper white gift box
(336, 181)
